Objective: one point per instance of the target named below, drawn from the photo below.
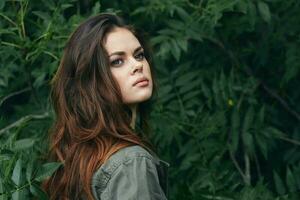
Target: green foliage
(227, 113)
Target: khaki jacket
(131, 173)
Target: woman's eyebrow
(120, 53)
(137, 49)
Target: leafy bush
(227, 113)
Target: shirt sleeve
(134, 179)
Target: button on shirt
(132, 173)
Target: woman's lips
(142, 83)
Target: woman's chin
(138, 98)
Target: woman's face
(129, 66)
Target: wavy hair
(91, 121)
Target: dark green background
(227, 116)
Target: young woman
(100, 94)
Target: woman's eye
(116, 62)
(140, 56)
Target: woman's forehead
(120, 39)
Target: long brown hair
(91, 121)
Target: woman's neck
(133, 115)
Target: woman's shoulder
(130, 152)
(124, 155)
(133, 156)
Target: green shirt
(131, 173)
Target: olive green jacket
(131, 173)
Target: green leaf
(165, 90)
(3, 197)
(261, 115)
(29, 170)
(252, 15)
(4, 157)
(139, 10)
(205, 90)
(187, 148)
(280, 188)
(223, 84)
(248, 120)
(164, 50)
(262, 145)
(216, 91)
(66, 5)
(2, 190)
(17, 173)
(275, 132)
(183, 14)
(290, 180)
(175, 24)
(167, 98)
(39, 80)
(2, 4)
(47, 170)
(292, 63)
(186, 78)
(175, 50)
(96, 9)
(188, 161)
(264, 11)
(189, 86)
(38, 192)
(49, 4)
(24, 144)
(158, 39)
(169, 32)
(42, 15)
(235, 125)
(248, 142)
(183, 44)
(20, 194)
(242, 6)
(191, 95)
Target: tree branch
(247, 169)
(249, 72)
(280, 100)
(22, 120)
(295, 142)
(237, 165)
(14, 94)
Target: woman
(102, 88)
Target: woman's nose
(137, 66)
